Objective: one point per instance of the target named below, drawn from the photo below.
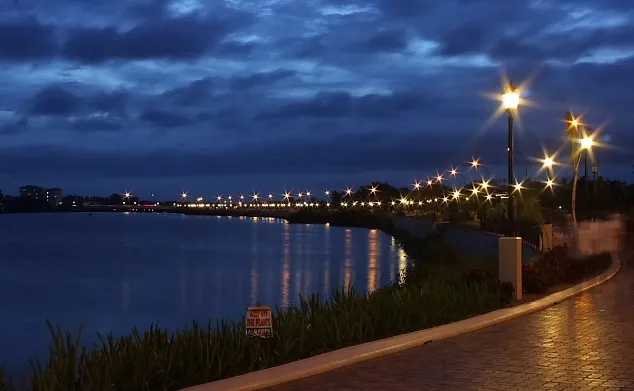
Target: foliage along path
(584, 343)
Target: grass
(159, 360)
(431, 294)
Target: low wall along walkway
(467, 240)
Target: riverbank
(436, 290)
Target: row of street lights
(582, 145)
(581, 141)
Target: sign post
(259, 322)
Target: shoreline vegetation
(439, 287)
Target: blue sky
(159, 96)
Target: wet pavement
(584, 343)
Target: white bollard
(547, 237)
(510, 263)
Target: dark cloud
(435, 114)
(393, 105)
(348, 153)
(342, 104)
(112, 102)
(224, 116)
(323, 105)
(63, 100)
(466, 39)
(96, 125)
(165, 118)
(405, 9)
(312, 47)
(385, 41)
(15, 127)
(148, 9)
(233, 49)
(26, 39)
(191, 94)
(54, 100)
(186, 37)
(261, 79)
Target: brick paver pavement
(584, 343)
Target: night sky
(212, 96)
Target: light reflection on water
(111, 272)
(348, 260)
(373, 255)
(286, 266)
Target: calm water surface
(111, 272)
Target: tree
(115, 199)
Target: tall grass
(160, 360)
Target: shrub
(558, 266)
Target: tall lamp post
(595, 184)
(510, 100)
(586, 146)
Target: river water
(110, 272)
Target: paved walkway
(584, 343)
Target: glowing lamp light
(549, 162)
(550, 183)
(517, 187)
(454, 172)
(270, 196)
(511, 99)
(429, 182)
(374, 189)
(348, 191)
(327, 192)
(416, 185)
(587, 143)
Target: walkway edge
(354, 354)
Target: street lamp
(548, 162)
(510, 101)
(586, 146)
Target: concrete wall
(464, 239)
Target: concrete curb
(354, 354)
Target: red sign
(259, 322)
